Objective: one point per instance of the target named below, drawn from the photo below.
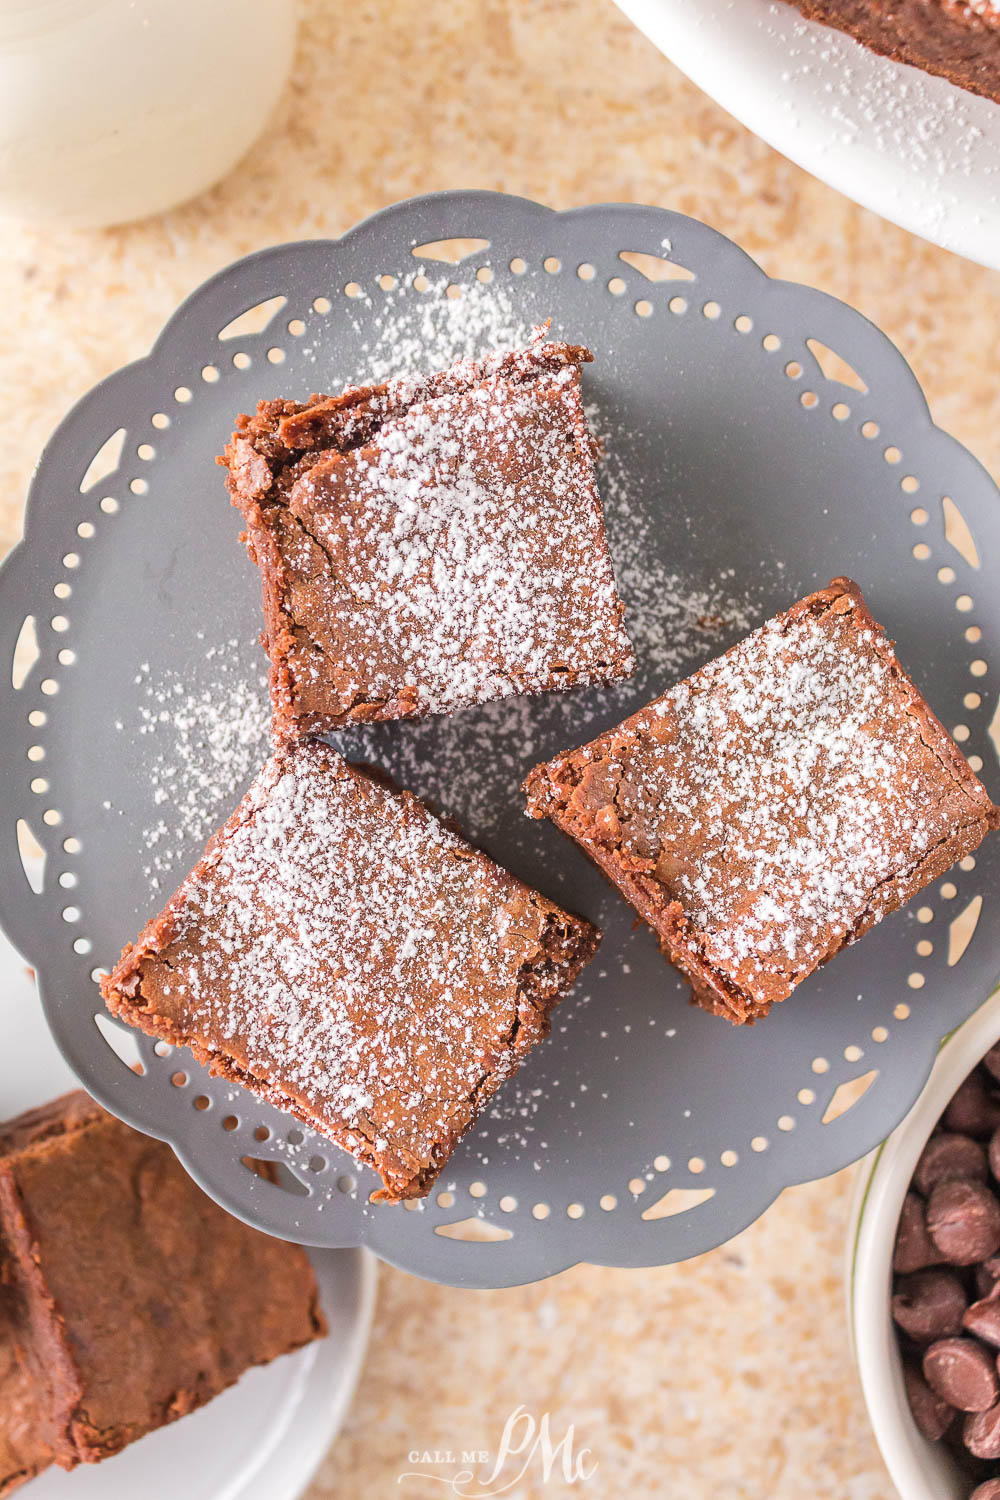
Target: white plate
(913, 148)
(263, 1438)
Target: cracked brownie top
(774, 805)
(430, 543)
(341, 952)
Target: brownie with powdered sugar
(430, 543)
(774, 806)
(341, 952)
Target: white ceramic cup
(114, 109)
(920, 1470)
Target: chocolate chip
(983, 1319)
(962, 1373)
(914, 1246)
(973, 1109)
(932, 1415)
(991, 1489)
(995, 1153)
(948, 1156)
(981, 1435)
(963, 1220)
(929, 1304)
(991, 1062)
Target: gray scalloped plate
(762, 437)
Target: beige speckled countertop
(729, 1375)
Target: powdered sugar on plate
(210, 731)
(425, 331)
(470, 765)
(211, 735)
(502, 740)
(674, 620)
(414, 331)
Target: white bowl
(920, 1470)
(114, 109)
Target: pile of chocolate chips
(946, 1290)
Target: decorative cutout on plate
(254, 320)
(474, 1231)
(957, 532)
(26, 653)
(31, 855)
(994, 729)
(678, 1201)
(962, 929)
(846, 1095)
(835, 367)
(122, 1041)
(104, 462)
(276, 1174)
(451, 251)
(655, 267)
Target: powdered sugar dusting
(407, 331)
(790, 751)
(419, 332)
(775, 795)
(209, 742)
(457, 556)
(361, 959)
(470, 765)
(674, 620)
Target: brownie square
(119, 1290)
(775, 805)
(338, 951)
(430, 543)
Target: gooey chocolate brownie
(430, 543)
(340, 952)
(127, 1297)
(775, 805)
